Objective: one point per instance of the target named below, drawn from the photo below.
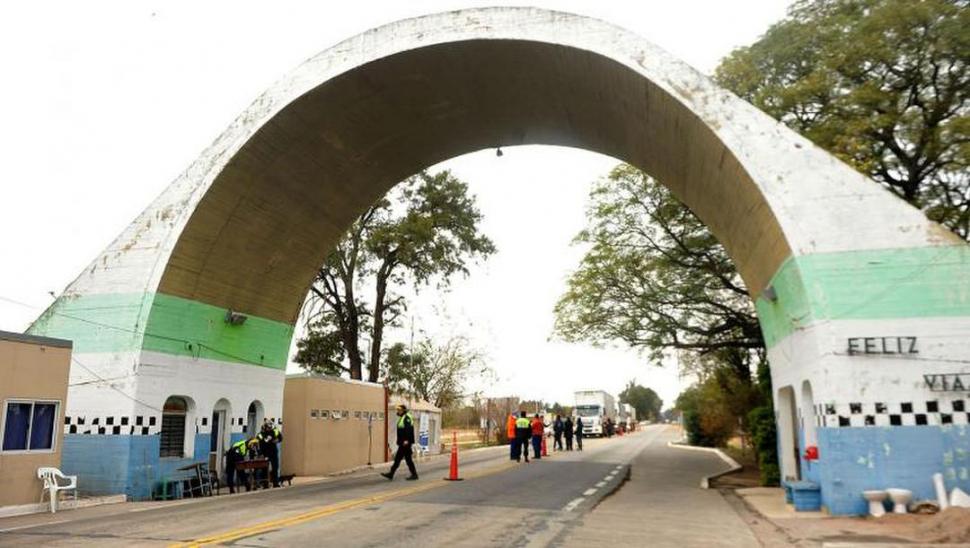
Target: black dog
(288, 478)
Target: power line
(111, 386)
(143, 333)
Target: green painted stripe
(185, 327)
(870, 284)
(96, 323)
(173, 325)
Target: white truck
(594, 407)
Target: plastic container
(806, 496)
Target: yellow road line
(324, 511)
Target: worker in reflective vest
(405, 443)
(236, 454)
(523, 432)
(513, 440)
(269, 439)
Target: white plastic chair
(53, 487)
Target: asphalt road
(499, 503)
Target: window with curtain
(29, 425)
(172, 443)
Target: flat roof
(34, 339)
(330, 378)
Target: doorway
(790, 465)
(219, 436)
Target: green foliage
(321, 350)
(764, 438)
(654, 277)
(435, 373)
(882, 84)
(647, 403)
(562, 410)
(707, 417)
(426, 230)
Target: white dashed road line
(573, 504)
(592, 490)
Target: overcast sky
(104, 103)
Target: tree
(882, 84)
(434, 373)
(426, 229)
(647, 403)
(562, 410)
(654, 277)
(532, 406)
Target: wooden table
(251, 467)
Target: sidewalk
(348, 479)
(662, 505)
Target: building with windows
(332, 424)
(33, 394)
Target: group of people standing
(264, 444)
(521, 431)
(565, 429)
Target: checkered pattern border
(911, 413)
(140, 425)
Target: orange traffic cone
(453, 471)
(544, 453)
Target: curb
(706, 480)
(25, 509)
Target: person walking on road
(557, 434)
(513, 439)
(579, 433)
(523, 431)
(405, 443)
(269, 439)
(567, 430)
(538, 430)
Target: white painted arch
(246, 226)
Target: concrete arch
(246, 225)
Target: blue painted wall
(107, 464)
(856, 459)
(123, 464)
(100, 462)
(811, 470)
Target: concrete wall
(314, 442)
(31, 368)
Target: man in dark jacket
(405, 443)
(269, 439)
(579, 433)
(557, 434)
(567, 430)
